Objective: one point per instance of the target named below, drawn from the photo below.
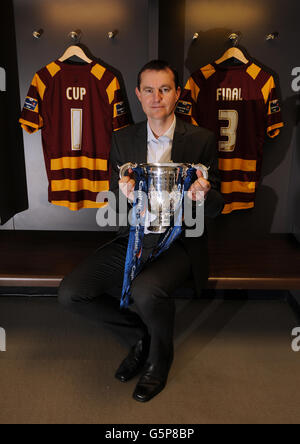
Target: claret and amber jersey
(77, 107)
(240, 105)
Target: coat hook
(38, 34)
(75, 36)
(234, 38)
(273, 36)
(112, 34)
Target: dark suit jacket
(190, 145)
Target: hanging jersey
(77, 107)
(240, 105)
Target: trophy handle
(202, 168)
(124, 168)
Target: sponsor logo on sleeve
(31, 104)
(274, 106)
(120, 108)
(184, 107)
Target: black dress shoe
(152, 382)
(135, 361)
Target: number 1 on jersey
(76, 129)
(230, 131)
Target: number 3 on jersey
(76, 129)
(232, 117)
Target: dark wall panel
(13, 188)
(171, 33)
(294, 189)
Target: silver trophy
(164, 192)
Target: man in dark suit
(94, 287)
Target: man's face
(158, 94)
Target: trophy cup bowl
(164, 190)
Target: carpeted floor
(233, 364)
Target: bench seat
(43, 258)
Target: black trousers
(94, 288)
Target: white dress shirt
(159, 151)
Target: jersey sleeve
(120, 113)
(187, 105)
(273, 109)
(31, 119)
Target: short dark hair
(158, 65)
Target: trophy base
(157, 229)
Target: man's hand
(199, 189)
(127, 185)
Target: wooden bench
(42, 259)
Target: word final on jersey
(229, 94)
